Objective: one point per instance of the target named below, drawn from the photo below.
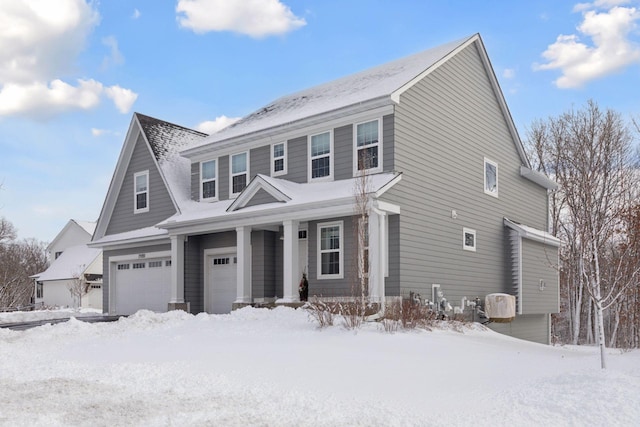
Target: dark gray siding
(160, 204)
(388, 163)
(444, 127)
(193, 275)
(533, 327)
(539, 262)
(392, 283)
(348, 286)
(263, 264)
(260, 159)
(106, 270)
(296, 160)
(260, 198)
(195, 181)
(343, 152)
(223, 177)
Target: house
(72, 261)
(207, 223)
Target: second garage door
(142, 284)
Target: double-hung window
(320, 156)
(209, 180)
(239, 172)
(141, 192)
(368, 146)
(469, 239)
(279, 159)
(330, 250)
(490, 177)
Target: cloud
(255, 18)
(115, 56)
(98, 132)
(122, 98)
(39, 43)
(612, 50)
(213, 126)
(509, 73)
(136, 14)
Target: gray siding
(534, 327)
(193, 275)
(388, 143)
(160, 204)
(260, 198)
(444, 127)
(348, 286)
(106, 270)
(343, 152)
(260, 161)
(195, 181)
(263, 264)
(539, 262)
(392, 283)
(296, 160)
(223, 177)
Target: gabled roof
(73, 261)
(87, 226)
(259, 182)
(164, 141)
(369, 85)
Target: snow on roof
(166, 140)
(73, 261)
(139, 234)
(532, 233)
(300, 194)
(88, 226)
(374, 83)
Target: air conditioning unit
(500, 308)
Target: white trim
(486, 162)
(202, 181)
(533, 233)
(310, 158)
(257, 183)
(340, 225)
(136, 192)
(231, 174)
(466, 247)
(284, 158)
(378, 144)
(210, 253)
(386, 207)
(538, 178)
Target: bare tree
(18, 261)
(588, 152)
(78, 286)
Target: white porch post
(177, 273)
(377, 254)
(243, 243)
(290, 262)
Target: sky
(73, 72)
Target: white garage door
(142, 284)
(222, 283)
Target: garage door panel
(142, 285)
(222, 283)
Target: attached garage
(220, 280)
(138, 284)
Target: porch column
(243, 283)
(377, 254)
(177, 274)
(290, 262)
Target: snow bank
(276, 368)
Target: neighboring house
(71, 261)
(205, 223)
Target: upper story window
(330, 251)
(141, 192)
(469, 239)
(239, 172)
(58, 254)
(490, 177)
(279, 159)
(209, 180)
(320, 156)
(368, 146)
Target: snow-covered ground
(30, 316)
(263, 367)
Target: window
(239, 172)
(279, 159)
(139, 265)
(320, 156)
(468, 239)
(141, 192)
(39, 290)
(58, 254)
(167, 263)
(123, 266)
(330, 251)
(155, 264)
(220, 261)
(208, 180)
(490, 177)
(367, 146)
(302, 234)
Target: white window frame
(488, 191)
(231, 174)
(466, 247)
(320, 226)
(311, 158)
(378, 144)
(203, 181)
(136, 192)
(274, 158)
